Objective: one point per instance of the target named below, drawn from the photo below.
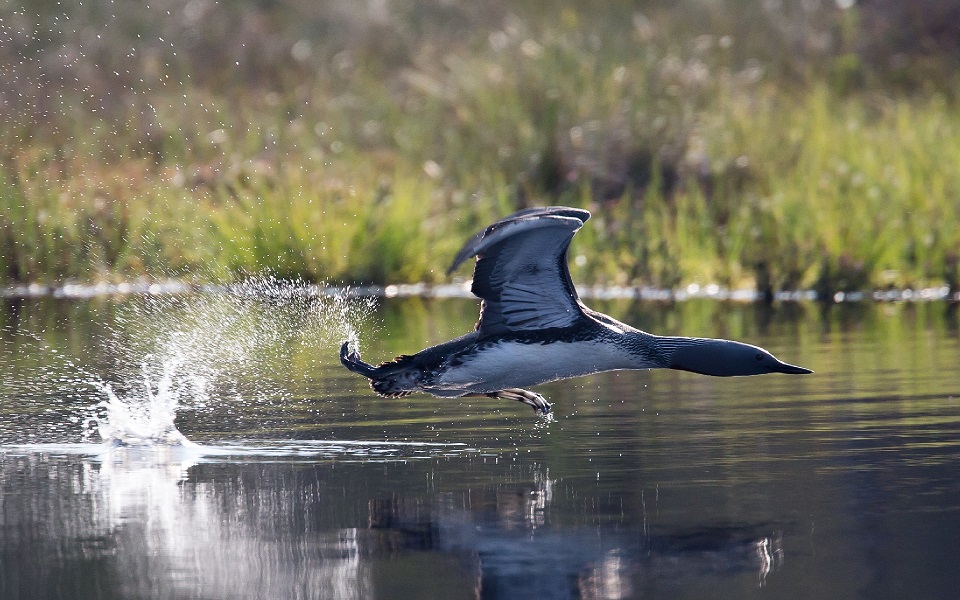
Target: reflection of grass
(370, 152)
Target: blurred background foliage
(748, 143)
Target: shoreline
(79, 291)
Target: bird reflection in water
(208, 527)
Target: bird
(534, 328)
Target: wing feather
(521, 270)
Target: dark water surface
(298, 482)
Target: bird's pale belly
(513, 364)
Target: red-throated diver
(533, 327)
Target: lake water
(285, 477)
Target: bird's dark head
(725, 358)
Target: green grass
(332, 147)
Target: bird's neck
(649, 351)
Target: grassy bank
(732, 144)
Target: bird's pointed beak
(790, 369)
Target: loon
(533, 328)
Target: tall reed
(371, 152)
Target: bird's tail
(391, 379)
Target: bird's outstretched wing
(521, 272)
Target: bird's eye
(758, 356)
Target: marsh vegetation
(749, 143)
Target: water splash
(146, 420)
(225, 349)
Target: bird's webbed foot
(350, 358)
(532, 399)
